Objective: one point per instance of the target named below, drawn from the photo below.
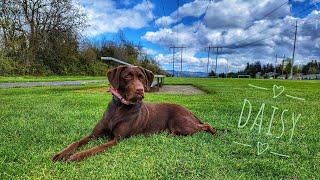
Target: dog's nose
(139, 91)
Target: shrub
(9, 67)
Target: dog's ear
(149, 76)
(114, 76)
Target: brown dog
(127, 115)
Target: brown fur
(122, 121)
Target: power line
(205, 13)
(245, 45)
(178, 4)
(268, 14)
(265, 16)
(275, 24)
(274, 10)
(153, 18)
(163, 12)
(264, 31)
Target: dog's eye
(127, 76)
(140, 76)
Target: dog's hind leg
(208, 128)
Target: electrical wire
(163, 12)
(237, 42)
(204, 14)
(153, 18)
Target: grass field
(5, 79)
(38, 122)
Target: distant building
(270, 75)
(258, 75)
(281, 77)
(311, 76)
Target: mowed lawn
(38, 122)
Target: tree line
(267, 70)
(283, 69)
(42, 37)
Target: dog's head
(130, 81)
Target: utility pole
(217, 53)
(208, 60)
(294, 49)
(275, 67)
(173, 62)
(217, 59)
(227, 69)
(173, 52)
(209, 48)
(284, 56)
(181, 62)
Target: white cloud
(190, 62)
(226, 13)
(104, 16)
(224, 24)
(165, 21)
(227, 22)
(222, 61)
(149, 51)
(127, 2)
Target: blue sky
(159, 24)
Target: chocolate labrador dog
(127, 115)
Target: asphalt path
(55, 83)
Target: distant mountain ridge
(187, 73)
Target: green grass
(5, 79)
(38, 122)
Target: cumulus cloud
(190, 62)
(237, 23)
(104, 16)
(149, 51)
(226, 13)
(229, 23)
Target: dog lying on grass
(127, 115)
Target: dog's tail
(197, 119)
(218, 129)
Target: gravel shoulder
(180, 89)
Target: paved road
(56, 83)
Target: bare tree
(32, 27)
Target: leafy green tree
(311, 68)
(212, 74)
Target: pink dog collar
(116, 93)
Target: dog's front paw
(63, 155)
(76, 157)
